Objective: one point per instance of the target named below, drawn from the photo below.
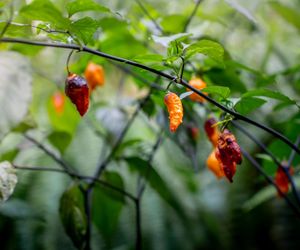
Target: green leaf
(248, 104)
(156, 182)
(107, 206)
(116, 180)
(66, 121)
(165, 40)
(261, 196)
(224, 92)
(206, 47)
(288, 14)
(44, 10)
(9, 156)
(173, 23)
(85, 5)
(8, 180)
(60, 140)
(270, 94)
(15, 89)
(72, 215)
(84, 29)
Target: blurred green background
(187, 207)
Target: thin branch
(293, 153)
(8, 23)
(255, 164)
(104, 164)
(149, 16)
(80, 177)
(138, 241)
(187, 23)
(49, 153)
(275, 160)
(163, 74)
(142, 186)
(87, 194)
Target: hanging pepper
(198, 84)
(175, 110)
(214, 165)
(212, 132)
(94, 75)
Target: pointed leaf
(85, 5)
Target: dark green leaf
(288, 14)
(60, 140)
(72, 215)
(114, 179)
(9, 156)
(206, 47)
(248, 104)
(106, 209)
(85, 5)
(270, 94)
(84, 29)
(156, 182)
(224, 92)
(44, 10)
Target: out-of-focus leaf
(248, 104)
(44, 10)
(288, 14)
(60, 140)
(127, 144)
(9, 156)
(209, 48)
(85, 5)
(165, 40)
(264, 157)
(8, 180)
(72, 215)
(107, 205)
(156, 182)
(261, 196)
(66, 121)
(241, 9)
(173, 23)
(270, 94)
(84, 29)
(224, 92)
(15, 89)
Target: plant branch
(163, 74)
(293, 153)
(270, 180)
(138, 241)
(275, 160)
(8, 22)
(149, 16)
(49, 153)
(80, 177)
(104, 164)
(187, 23)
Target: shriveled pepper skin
(77, 90)
(175, 110)
(228, 153)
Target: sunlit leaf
(248, 104)
(44, 10)
(224, 92)
(85, 5)
(165, 40)
(84, 29)
(206, 47)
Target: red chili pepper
(77, 90)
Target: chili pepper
(198, 84)
(175, 109)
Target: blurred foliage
(247, 52)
